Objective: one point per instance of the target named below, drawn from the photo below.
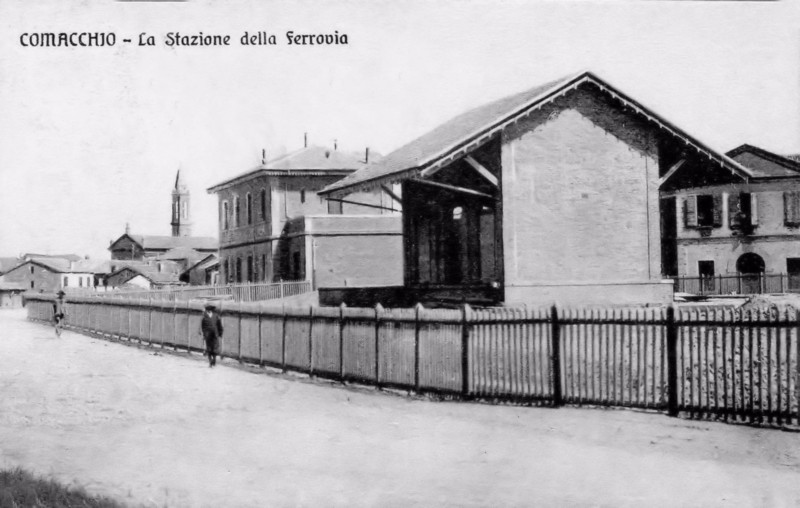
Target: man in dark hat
(58, 312)
(211, 326)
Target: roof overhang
(469, 143)
(261, 172)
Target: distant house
(203, 272)
(261, 238)
(52, 274)
(138, 247)
(549, 195)
(747, 228)
(11, 294)
(151, 276)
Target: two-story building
(264, 235)
(747, 228)
(548, 195)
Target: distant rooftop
(765, 164)
(313, 160)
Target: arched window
(750, 263)
(236, 212)
(225, 216)
(249, 208)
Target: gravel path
(154, 428)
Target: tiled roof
(70, 257)
(61, 265)
(453, 138)
(313, 160)
(203, 264)
(764, 164)
(7, 264)
(152, 242)
(153, 274)
(11, 286)
(181, 253)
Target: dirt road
(154, 428)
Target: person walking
(211, 328)
(58, 312)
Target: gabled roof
(181, 253)
(60, 265)
(150, 273)
(165, 243)
(309, 161)
(7, 263)
(764, 164)
(203, 264)
(70, 257)
(458, 136)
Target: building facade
(52, 274)
(255, 208)
(744, 228)
(550, 195)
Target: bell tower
(181, 213)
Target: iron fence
(247, 292)
(739, 284)
(729, 364)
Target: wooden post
(418, 308)
(240, 334)
(672, 362)
(341, 341)
(378, 310)
(311, 340)
(555, 359)
(464, 350)
(283, 339)
(719, 284)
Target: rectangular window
(225, 216)
(302, 195)
(334, 207)
(236, 210)
(706, 271)
(793, 269)
(704, 211)
(249, 207)
(250, 277)
(66, 281)
(80, 282)
(263, 204)
(263, 267)
(791, 208)
(743, 210)
(238, 269)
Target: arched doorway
(751, 268)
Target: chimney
(335, 145)
(263, 156)
(366, 156)
(127, 228)
(305, 140)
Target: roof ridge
(772, 156)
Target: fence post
(417, 308)
(555, 360)
(378, 310)
(283, 339)
(240, 334)
(281, 285)
(341, 341)
(311, 340)
(719, 284)
(464, 350)
(672, 362)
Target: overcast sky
(90, 138)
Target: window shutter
(690, 211)
(733, 210)
(717, 210)
(791, 207)
(753, 210)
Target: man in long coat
(211, 327)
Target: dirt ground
(159, 429)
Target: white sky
(90, 138)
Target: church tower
(181, 218)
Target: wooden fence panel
(251, 338)
(272, 338)
(229, 345)
(325, 341)
(298, 339)
(440, 340)
(359, 356)
(196, 342)
(397, 348)
(509, 353)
